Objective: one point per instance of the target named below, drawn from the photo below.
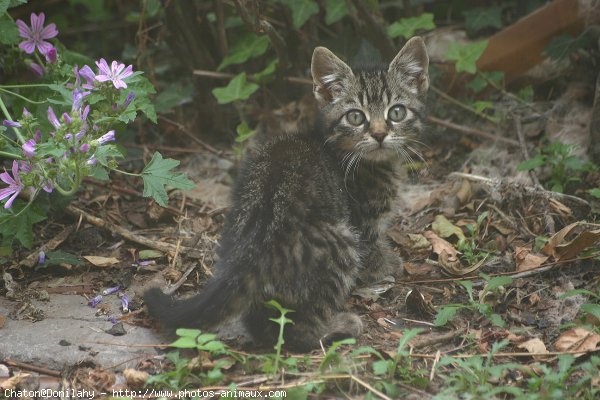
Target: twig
(170, 290)
(524, 150)
(248, 11)
(462, 105)
(119, 230)
(369, 387)
(53, 243)
(227, 75)
(29, 367)
(191, 135)
(471, 131)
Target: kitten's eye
(355, 117)
(397, 113)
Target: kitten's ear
(329, 74)
(411, 65)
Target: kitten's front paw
(380, 262)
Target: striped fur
(310, 209)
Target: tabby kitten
(310, 210)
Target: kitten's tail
(204, 310)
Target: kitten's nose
(379, 135)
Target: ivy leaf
(302, 10)
(237, 89)
(563, 46)
(157, 174)
(480, 81)
(248, 47)
(466, 55)
(174, 95)
(532, 163)
(244, 132)
(17, 223)
(484, 17)
(335, 10)
(263, 75)
(8, 31)
(58, 257)
(406, 27)
(481, 105)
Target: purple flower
(36, 34)
(37, 69)
(42, 258)
(111, 290)
(113, 319)
(92, 161)
(115, 73)
(51, 56)
(94, 301)
(84, 148)
(38, 136)
(125, 302)
(128, 100)
(12, 124)
(29, 148)
(89, 76)
(48, 186)
(14, 185)
(78, 96)
(107, 137)
(52, 118)
(25, 166)
(67, 118)
(26, 113)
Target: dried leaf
(525, 260)
(99, 261)
(577, 339)
(445, 228)
(418, 269)
(135, 378)
(418, 242)
(11, 383)
(440, 245)
(536, 347)
(568, 251)
(418, 303)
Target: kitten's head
(373, 112)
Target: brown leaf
(99, 261)
(536, 347)
(577, 339)
(558, 238)
(417, 303)
(418, 269)
(525, 260)
(135, 378)
(560, 250)
(440, 245)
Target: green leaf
(480, 106)
(269, 70)
(526, 93)
(563, 46)
(17, 222)
(4, 6)
(99, 172)
(58, 257)
(466, 55)
(248, 47)
(468, 285)
(484, 17)
(381, 367)
(237, 89)
(497, 281)
(532, 163)
(595, 192)
(335, 10)
(149, 254)
(107, 152)
(592, 309)
(244, 132)
(446, 313)
(185, 343)
(157, 175)
(406, 27)
(8, 31)
(173, 96)
(302, 10)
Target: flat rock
(71, 333)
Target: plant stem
(462, 105)
(8, 117)
(125, 172)
(10, 155)
(21, 97)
